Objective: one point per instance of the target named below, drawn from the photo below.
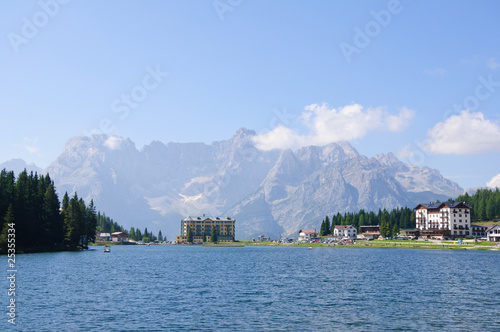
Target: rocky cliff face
(272, 193)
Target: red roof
(342, 226)
(308, 231)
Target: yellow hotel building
(200, 225)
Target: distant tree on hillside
(213, 236)
(395, 229)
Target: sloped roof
(308, 231)
(441, 205)
(205, 218)
(343, 226)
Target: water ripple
(190, 288)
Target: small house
(307, 234)
(119, 237)
(370, 232)
(105, 237)
(493, 233)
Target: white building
(444, 219)
(307, 234)
(493, 233)
(345, 231)
(105, 237)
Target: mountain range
(273, 193)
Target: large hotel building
(444, 219)
(203, 226)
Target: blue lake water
(176, 288)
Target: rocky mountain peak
(268, 192)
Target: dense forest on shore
(485, 205)
(30, 205)
(390, 222)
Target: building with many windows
(345, 231)
(444, 219)
(202, 226)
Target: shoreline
(371, 244)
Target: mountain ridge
(268, 192)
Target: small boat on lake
(107, 248)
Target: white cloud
(327, 125)
(399, 122)
(465, 133)
(113, 142)
(31, 149)
(436, 72)
(494, 182)
(492, 63)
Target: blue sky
(420, 79)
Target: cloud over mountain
(494, 182)
(329, 125)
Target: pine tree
(490, 208)
(327, 226)
(52, 224)
(8, 220)
(74, 221)
(395, 229)
(322, 228)
(7, 192)
(481, 208)
(189, 236)
(213, 236)
(90, 223)
(64, 213)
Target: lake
(190, 288)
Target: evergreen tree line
(485, 204)
(390, 222)
(30, 202)
(146, 237)
(107, 225)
